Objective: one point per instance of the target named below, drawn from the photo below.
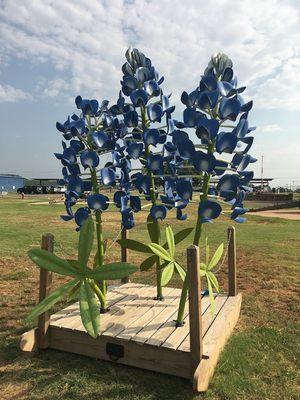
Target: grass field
(261, 360)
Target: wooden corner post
(232, 289)
(45, 287)
(124, 253)
(195, 312)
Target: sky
(51, 51)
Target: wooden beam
(232, 289)
(124, 253)
(45, 287)
(195, 312)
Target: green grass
(259, 361)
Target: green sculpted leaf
(74, 292)
(213, 280)
(170, 240)
(160, 252)
(85, 242)
(180, 270)
(111, 271)
(134, 245)
(152, 226)
(183, 234)
(211, 296)
(89, 309)
(50, 262)
(167, 274)
(50, 300)
(148, 263)
(216, 257)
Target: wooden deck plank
(147, 357)
(179, 334)
(133, 328)
(133, 311)
(118, 310)
(116, 295)
(206, 322)
(149, 329)
(214, 341)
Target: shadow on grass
(259, 363)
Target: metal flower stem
(197, 236)
(100, 241)
(153, 200)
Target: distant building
(10, 182)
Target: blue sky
(51, 51)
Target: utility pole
(262, 173)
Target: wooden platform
(140, 331)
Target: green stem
(100, 239)
(153, 200)
(197, 236)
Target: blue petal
(226, 142)
(131, 119)
(155, 112)
(135, 150)
(100, 138)
(77, 145)
(208, 100)
(170, 147)
(143, 74)
(158, 212)
(155, 164)
(180, 215)
(207, 128)
(139, 98)
(117, 197)
(227, 74)
(152, 88)
(89, 159)
(241, 129)
(228, 182)
(127, 219)
(186, 149)
(229, 109)
(135, 203)
(203, 162)
(130, 82)
(108, 176)
(151, 136)
(184, 189)
(247, 106)
(75, 184)
(209, 209)
(81, 215)
(208, 83)
(97, 202)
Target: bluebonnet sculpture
(210, 113)
(159, 159)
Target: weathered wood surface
(145, 329)
(214, 341)
(232, 288)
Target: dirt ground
(284, 213)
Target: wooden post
(45, 286)
(195, 311)
(124, 253)
(232, 290)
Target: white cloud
(11, 94)
(272, 128)
(86, 41)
